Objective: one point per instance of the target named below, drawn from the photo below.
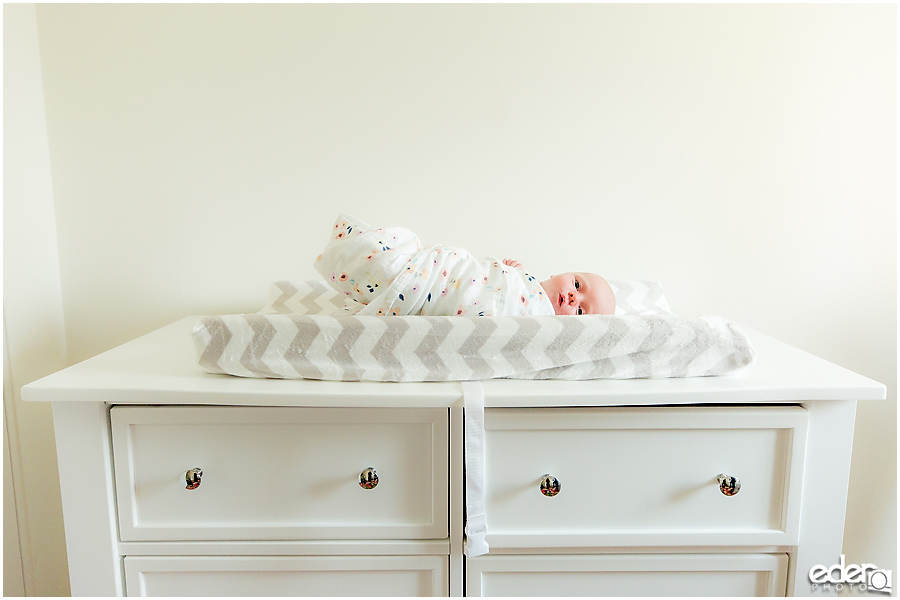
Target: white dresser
(178, 482)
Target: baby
(578, 293)
(386, 271)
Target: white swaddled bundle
(387, 272)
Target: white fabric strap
(476, 519)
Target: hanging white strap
(476, 519)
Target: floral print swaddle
(387, 272)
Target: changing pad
(300, 334)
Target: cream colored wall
(745, 156)
(34, 343)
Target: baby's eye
(577, 285)
(579, 311)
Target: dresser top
(160, 368)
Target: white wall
(745, 156)
(34, 343)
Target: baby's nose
(571, 297)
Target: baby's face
(580, 294)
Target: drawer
(258, 576)
(628, 575)
(643, 476)
(280, 473)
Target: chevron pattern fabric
(639, 298)
(293, 345)
(302, 298)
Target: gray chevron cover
(301, 334)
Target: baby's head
(580, 294)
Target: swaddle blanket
(303, 334)
(317, 298)
(387, 272)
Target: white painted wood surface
(644, 476)
(825, 484)
(280, 473)
(629, 575)
(84, 451)
(287, 548)
(287, 576)
(159, 370)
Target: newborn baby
(579, 294)
(386, 271)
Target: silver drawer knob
(192, 478)
(368, 479)
(728, 484)
(550, 485)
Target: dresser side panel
(86, 486)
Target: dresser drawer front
(647, 575)
(643, 476)
(256, 576)
(280, 473)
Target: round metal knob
(550, 485)
(728, 484)
(192, 478)
(368, 479)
